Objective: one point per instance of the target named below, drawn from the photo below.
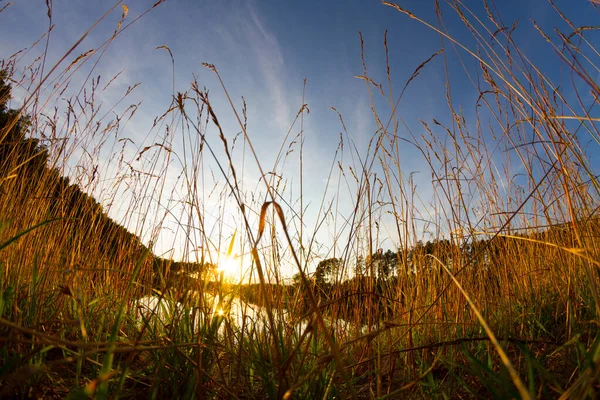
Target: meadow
(499, 300)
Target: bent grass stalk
(503, 356)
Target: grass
(491, 293)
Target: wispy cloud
(267, 54)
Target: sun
(230, 265)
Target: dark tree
(326, 270)
(17, 152)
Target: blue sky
(263, 50)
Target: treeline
(482, 253)
(384, 282)
(78, 234)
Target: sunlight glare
(231, 266)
